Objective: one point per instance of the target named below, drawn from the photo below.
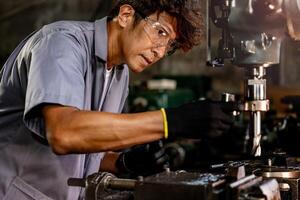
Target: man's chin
(137, 68)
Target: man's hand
(143, 160)
(200, 119)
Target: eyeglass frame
(171, 45)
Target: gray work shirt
(62, 63)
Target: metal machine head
(251, 30)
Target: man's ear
(126, 15)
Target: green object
(200, 85)
(189, 87)
(156, 99)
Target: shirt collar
(101, 38)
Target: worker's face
(148, 41)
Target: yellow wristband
(166, 134)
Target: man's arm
(70, 130)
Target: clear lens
(156, 32)
(173, 45)
(159, 36)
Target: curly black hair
(187, 13)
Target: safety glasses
(160, 36)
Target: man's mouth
(148, 61)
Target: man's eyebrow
(163, 25)
(170, 30)
(166, 27)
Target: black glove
(143, 160)
(200, 119)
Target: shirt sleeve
(55, 76)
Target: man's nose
(159, 51)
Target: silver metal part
(119, 184)
(260, 105)
(255, 126)
(227, 97)
(288, 179)
(242, 181)
(281, 174)
(284, 187)
(270, 189)
(256, 102)
(269, 162)
(180, 185)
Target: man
(62, 87)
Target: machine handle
(77, 182)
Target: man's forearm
(72, 131)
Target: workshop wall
(19, 17)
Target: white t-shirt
(107, 80)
